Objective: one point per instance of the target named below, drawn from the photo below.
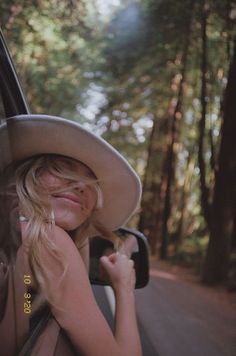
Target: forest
(157, 79)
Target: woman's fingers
(119, 270)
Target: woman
(72, 185)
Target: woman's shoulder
(59, 245)
(62, 240)
(57, 234)
(60, 259)
(54, 233)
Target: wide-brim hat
(25, 136)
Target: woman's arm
(121, 274)
(83, 247)
(75, 308)
(84, 253)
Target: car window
(12, 101)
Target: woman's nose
(80, 188)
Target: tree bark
(169, 163)
(180, 232)
(223, 207)
(149, 206)
(202, 123)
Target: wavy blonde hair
(36, 208)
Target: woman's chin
(69, 223)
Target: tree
(202, 122)
(223, 207)
(169, 165)
(47, 42)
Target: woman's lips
(69, 196)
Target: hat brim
(30, 135)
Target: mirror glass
(132, 243)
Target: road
(179, 317)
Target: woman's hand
(118, 269)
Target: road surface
(180, 317)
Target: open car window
(13, 101)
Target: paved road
(178, 318)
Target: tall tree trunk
(149, 206)
(223, 207)
(145, 218)
(169, 163)
(183, 202)
(202, 123)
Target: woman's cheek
(68, 217)
(49, 180)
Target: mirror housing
(134, 245)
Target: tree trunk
(223, 207)
(183, 203)
(149, 206)
(202, 123)
(169, 163)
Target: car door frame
(13, 97)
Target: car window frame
(13, 97)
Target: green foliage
(49, 52)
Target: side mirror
(134, 245)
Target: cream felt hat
(24, 136)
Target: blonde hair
(36, 207)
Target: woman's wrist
(122, 291)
